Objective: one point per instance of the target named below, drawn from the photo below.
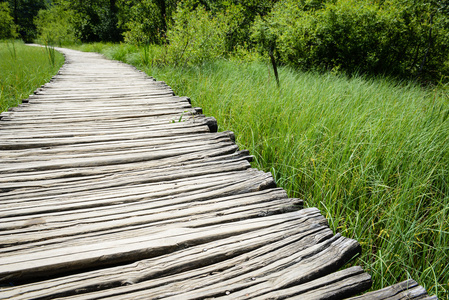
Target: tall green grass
(371, 154)
(23, 69)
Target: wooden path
(112, 187)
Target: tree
(55, 24)
(7, 27)
(23, 13)
(146, 21)
(96, 20)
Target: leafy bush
(391, 37)
(55, 24)
(23, 13)
(196, 35)
(142, 21)
(7, 27)
(241, 15)
(96, 20)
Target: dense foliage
(7, 27)
(55, 24)
(404, 38)
(391, 37)
(145, 21)
(23, 13)
(96, 20)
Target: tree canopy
(398, 37)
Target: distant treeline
(408, 38)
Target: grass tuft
(23, 69)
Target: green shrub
(389, 37)
(7, 27)
(142, 21)
(55, 24)
(196, 35)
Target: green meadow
(23, 69)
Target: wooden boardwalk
(112, 187)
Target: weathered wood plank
(192, 123)
(83, 220)
(201, 187)
(146, 229)
(42, 104)
(133, 177)
(217, 254)
(334, 286)
(88, 256)
(408, 289)
(67, 118)
(298, 258)
(197, 158)
(116, 147)
(54, 155)
(25, 112)
(17, 143)
(110, 159)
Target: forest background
(344, 101)
(406, 38)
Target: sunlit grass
(371, 154)
(23, 69)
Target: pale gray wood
(38, 143)
(115, 217)
(204, 186)
(124, 222)
(89, 111)
(225, 252)
(274, 262)
(336, 285)
(158, 142)
(130, 249)
(408, 289)
(20, 117)
(198, 158)
(106, 158)
(42, 104)
(152, 175)
(111, 159)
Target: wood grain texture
(113, 187)
(408, 289)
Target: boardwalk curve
(112, 187)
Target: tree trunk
(163, 9)
(429, 45)
(273, 62)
